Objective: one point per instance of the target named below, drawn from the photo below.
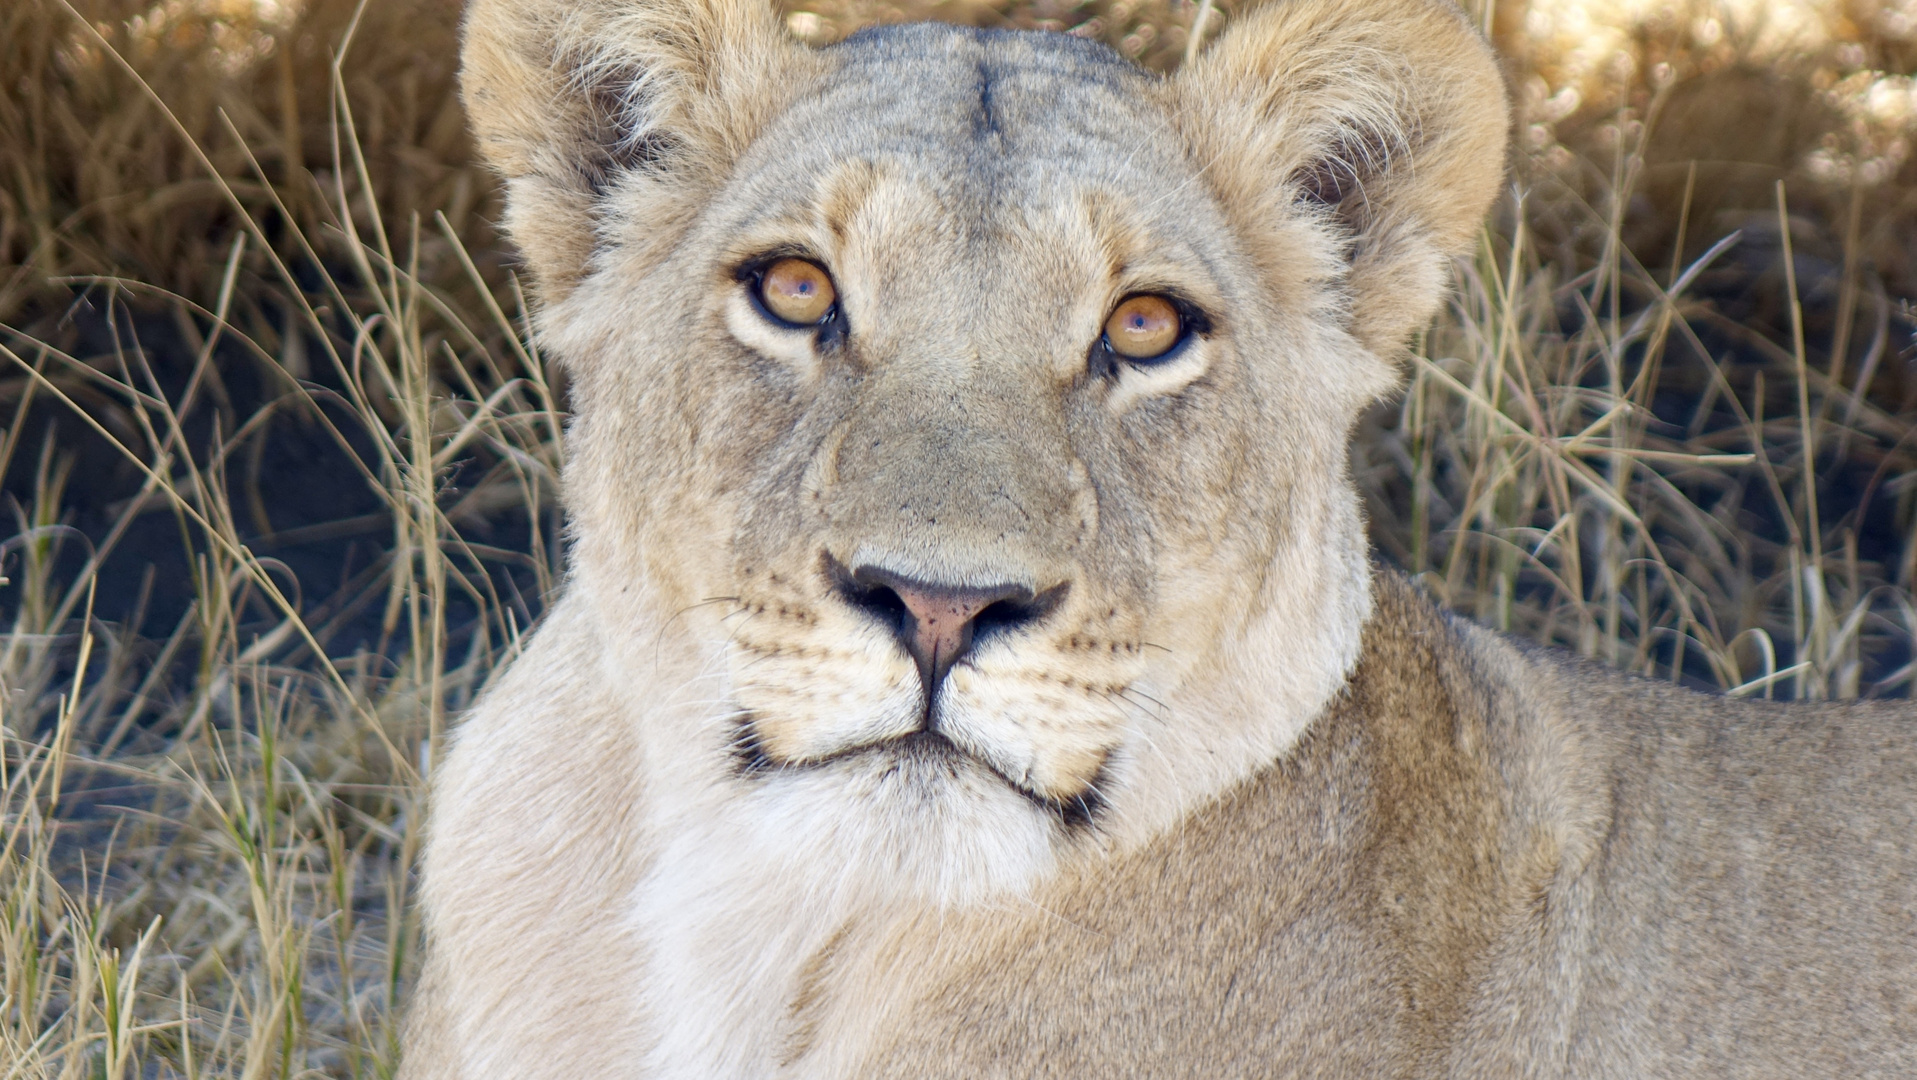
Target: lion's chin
(930, 765)
(911, 816)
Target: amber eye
(797, 291)
(1144, 328)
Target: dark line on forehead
(1063, 55)
(985, 120)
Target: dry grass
(1698, 465)
(1575, 462)
(243, 914)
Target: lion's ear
(1387, 118)
(572, 99)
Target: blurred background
(278, 465)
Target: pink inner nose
(936, 623)
(943, 622)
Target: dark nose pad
(938, 624)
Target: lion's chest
(767, 960)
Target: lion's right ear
(572, 99)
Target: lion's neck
(1265, 681)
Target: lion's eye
(1144, 328)
(797, 291)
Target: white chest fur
(763, 887)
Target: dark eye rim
(1192, 323)
(751, 273)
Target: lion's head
(967, 410)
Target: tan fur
(1235, 804)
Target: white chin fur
(943, 831)
(887, 825)
(743, 892)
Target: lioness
(971, 663)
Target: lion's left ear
(1387, 116)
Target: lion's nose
(936, 623)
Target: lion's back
(1753, 905)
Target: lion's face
(967, 421)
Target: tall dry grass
(208, 836)
(209, 827)
(1575, 462)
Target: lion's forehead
(989, 100)
(994, 125)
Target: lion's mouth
(929, 751)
